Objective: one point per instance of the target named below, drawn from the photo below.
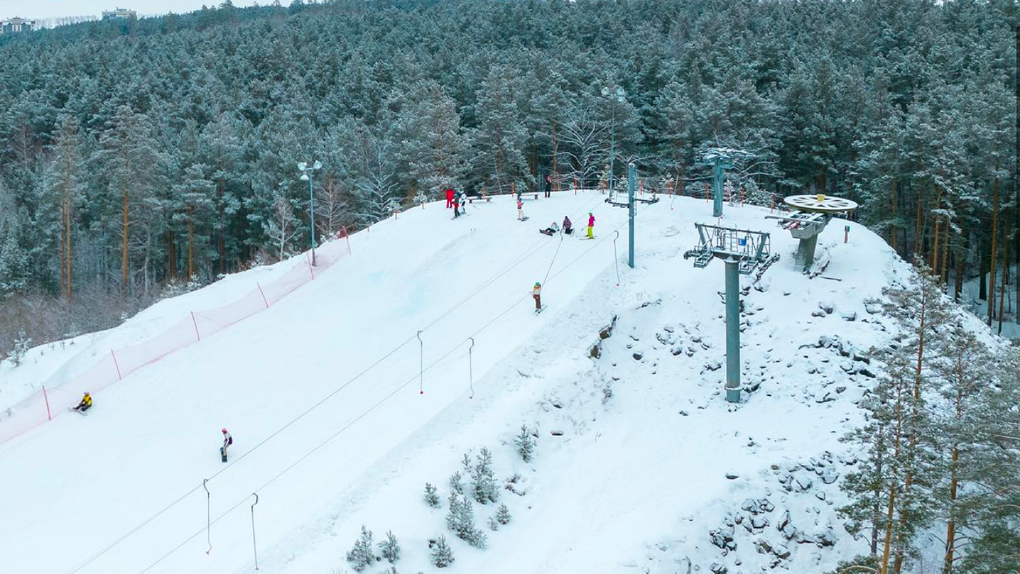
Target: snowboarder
(85, 404)
(456, 206)
(537, 294)
(591, 225)
(548, 185)
(520, 209)
(449, 197)
(567, 226)
(227, 441)
(551, 230)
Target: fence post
(195, 323)
(115, 364)
(46, 398)
(261, 292)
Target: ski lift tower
(721, 159)
(811, 213)
(743, 251)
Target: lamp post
(307, 172)
(615, 97)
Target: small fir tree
(503, 514)
(484, 480)
(442, 554)
(431, 496)
(390, 548)
(493, 524)
(360, 556)
(457, 483)
(525, 444)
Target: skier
(463, 203)
(227, 441)
(591, 225)
(449, 197)
(551, 230)
(85, 404)
(548, 185)
(520, 209)
(567, 226)
(456, 206)
(537, 294)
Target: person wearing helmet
(227, 441)
(537, 294)
(591, 225)
(85, 404)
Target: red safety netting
(61, 393)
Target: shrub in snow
(460, 519)
(493, 524)
(525, 444)
(484, 481)
(431, 496)
(21, 346)
(503, 515)
(360, 556)
(389, 548)
(442, 554)
(457, 483)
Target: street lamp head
(605, 91)
(620, 92)
(302, 166)
(304, 177)
(318, 165)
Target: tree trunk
(124, 253)
(995, 246)
(982, 269)
(918, 228)
(945, 253)
(891, 507)
(959, 260)
(892, 207)
(953, 483)
(934, 264)
(171, 264)
(191, 242)
(555, 157)
(1005, 274)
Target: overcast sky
(59, 8)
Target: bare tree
(581, 136)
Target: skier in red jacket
(449, 198)
(591, 225)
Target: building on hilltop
(16, 25)
(119, 13)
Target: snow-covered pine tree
(525, 444)
(390, 548)
(457, 483)
(503, 514)
(500, 138)
(442, 554)
(431, 496)
(21, 346)
(484, 480)
(432, 145)
(361, 556)
(493, 524)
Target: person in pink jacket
(591, 225)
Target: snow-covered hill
(640, 463)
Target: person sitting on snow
(85, 404)
(551, 230)
(567, 228)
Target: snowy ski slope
(321, 393)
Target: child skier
(520, 209)
(537, 294)
(591, 225)
(85, 404)
(227, 441)
(456, 206)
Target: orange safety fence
(60, 393)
